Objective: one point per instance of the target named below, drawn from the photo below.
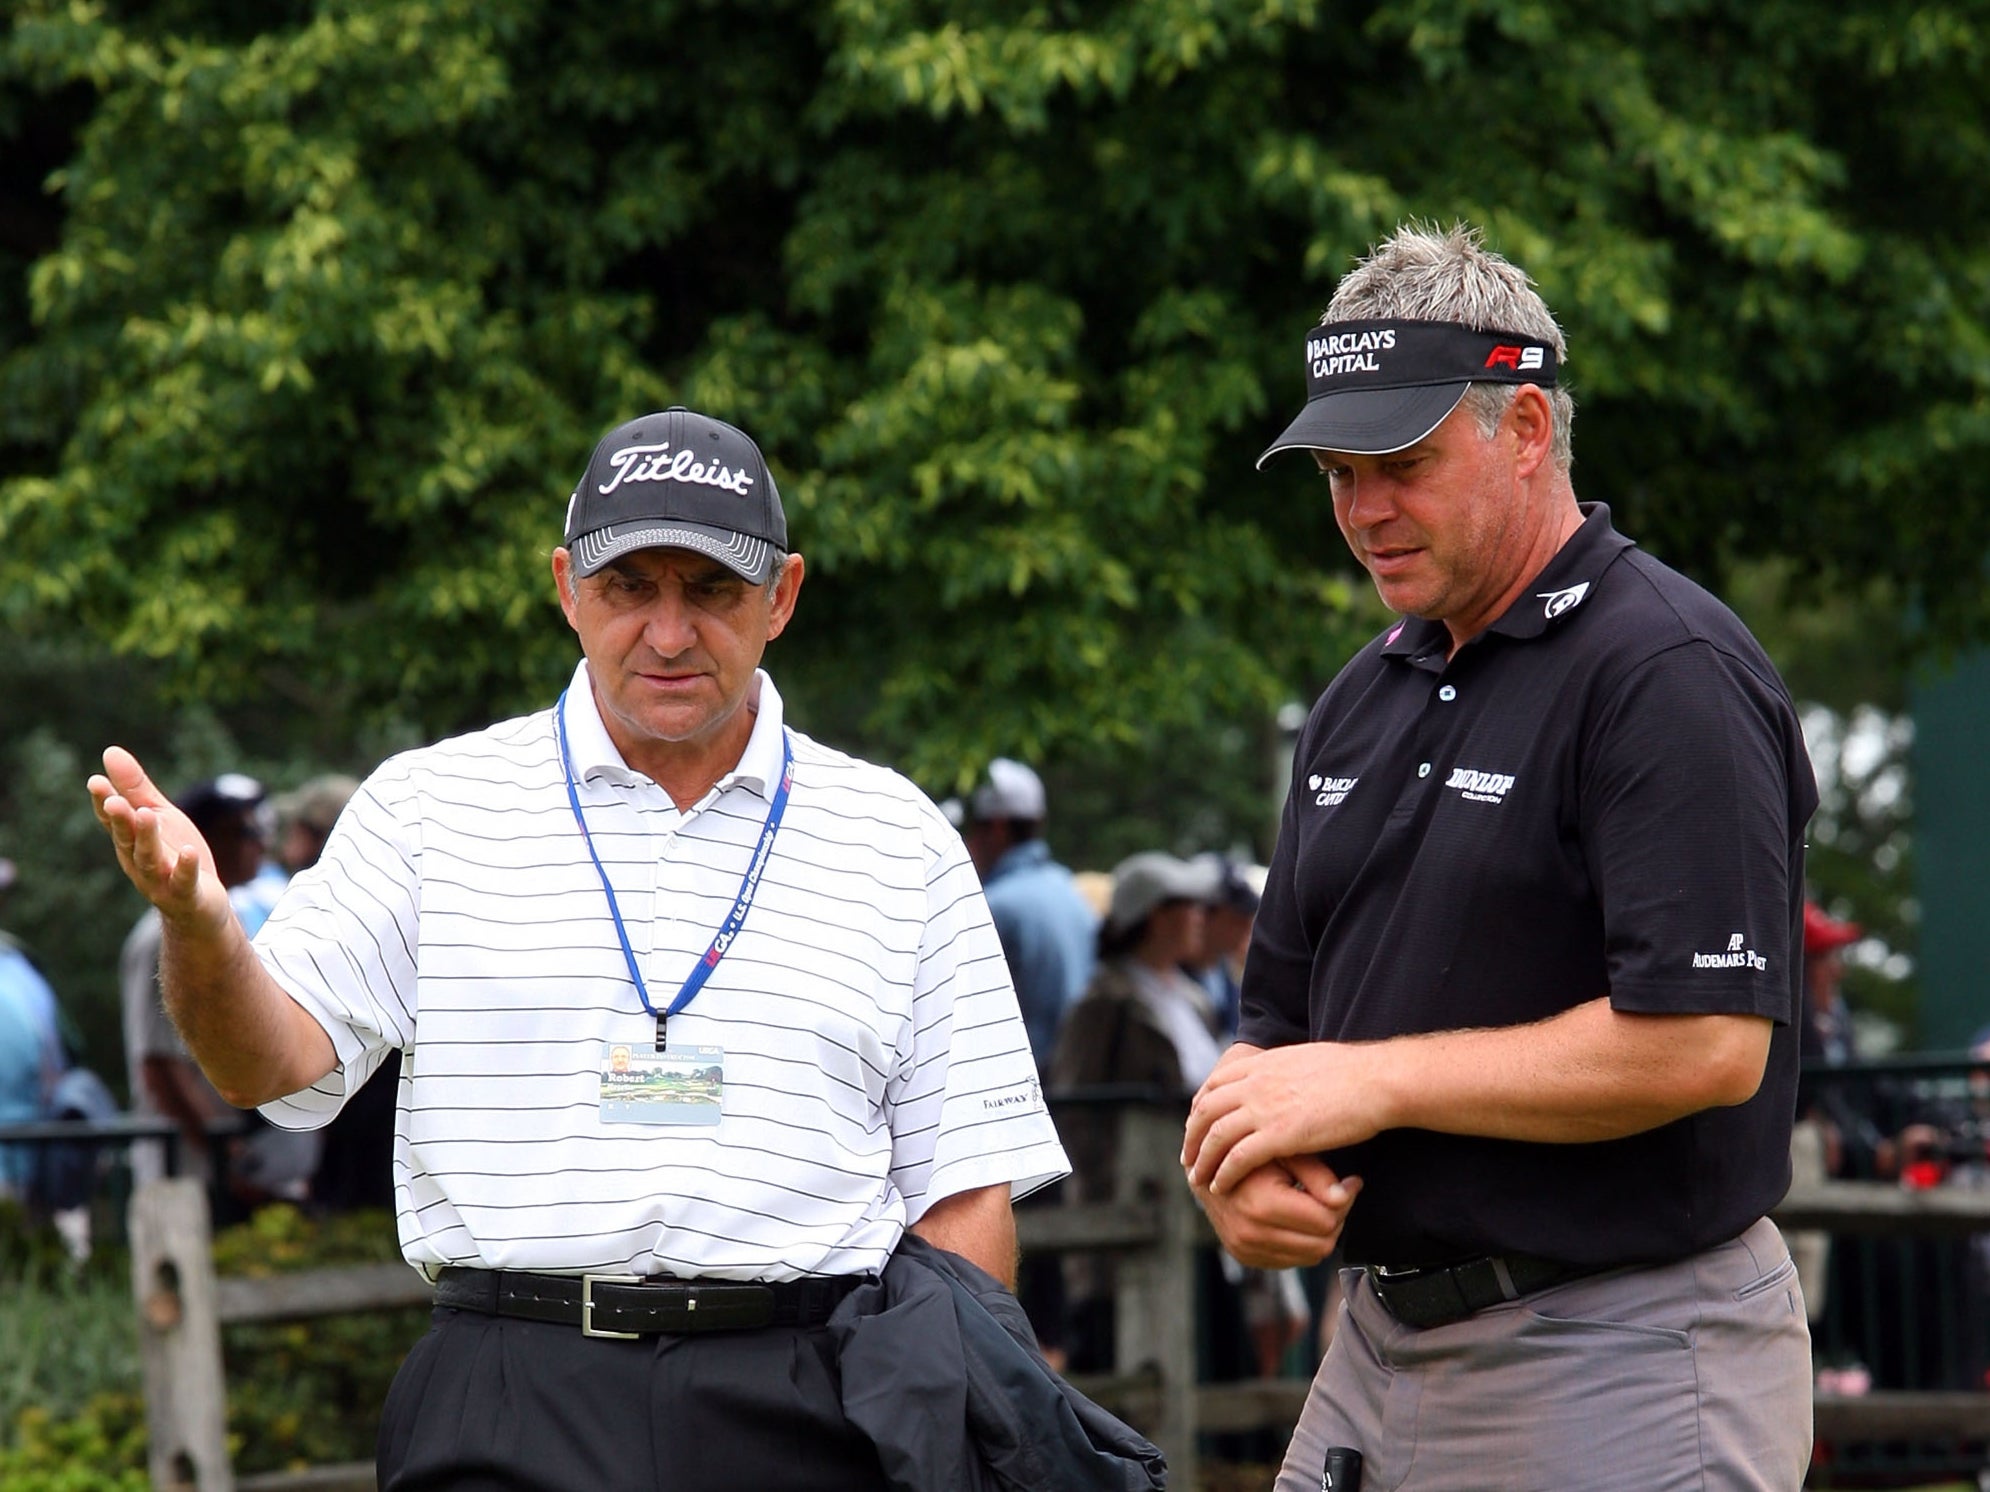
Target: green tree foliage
(344, 291)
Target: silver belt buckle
(587, 1284)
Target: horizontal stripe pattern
(875, 1061)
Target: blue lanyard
(735, 919)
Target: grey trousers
(1693, 1375)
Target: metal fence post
(1155, 1309)
(172, 1281)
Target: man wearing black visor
(1519, 1010)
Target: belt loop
(1505, 1278)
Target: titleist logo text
(657, 464)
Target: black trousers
(490, 1402)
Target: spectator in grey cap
(1142, 1024)
(305, 815)
(1045, 925)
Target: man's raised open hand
(158, 847)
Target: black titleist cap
(1376, 386)
(677, 480)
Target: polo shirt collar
(1414, 638)
(1562, 586)
(1569, 578)
(596, 756)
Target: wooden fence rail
(1152, 1224)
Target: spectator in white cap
(1046, 928)
(1044, 923)
(305, 815)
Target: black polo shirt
(1604, 792)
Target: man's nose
(668, 627)
(1369, 498)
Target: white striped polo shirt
(875, 1061)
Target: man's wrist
(200, 925)
(1378, 1076)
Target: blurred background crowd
(1129, 981)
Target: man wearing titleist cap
(1520, 1008)
(697, 1019)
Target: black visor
(1377, 386)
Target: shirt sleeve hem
(315, 1106)
(1027, 1170)
(1701, 999)
(1263, 1033)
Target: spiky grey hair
(1425, 273)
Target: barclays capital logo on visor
(1348, 352)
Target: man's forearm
(252, 1040)
(1590, 1073)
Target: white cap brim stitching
(749, 557)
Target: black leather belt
(1444, 1293)
(627, 1305)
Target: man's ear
(563, 585)
(1532, 420)
(786, 591)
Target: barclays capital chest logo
(1329, 791)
